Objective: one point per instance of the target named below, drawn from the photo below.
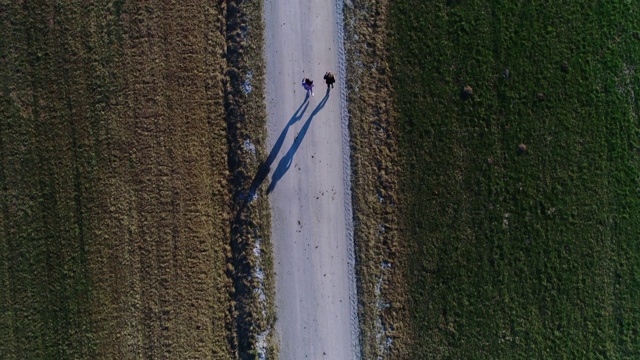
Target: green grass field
(520, 255)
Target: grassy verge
(252, 265)
(379, 253)
(520, 254)
(117, 200)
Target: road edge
(346, 163)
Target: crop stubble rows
(116, 200)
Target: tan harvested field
(120, 124)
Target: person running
(330, 79)
(307, 84)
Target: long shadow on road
(287, 159)
(243, 226)
(265, 167)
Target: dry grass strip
(252, 264)
(379, 252)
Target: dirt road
(309, 188)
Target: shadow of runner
(245, 233)
(287, 159)
(265, 167)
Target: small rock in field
(467, 92)
(522, 148)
